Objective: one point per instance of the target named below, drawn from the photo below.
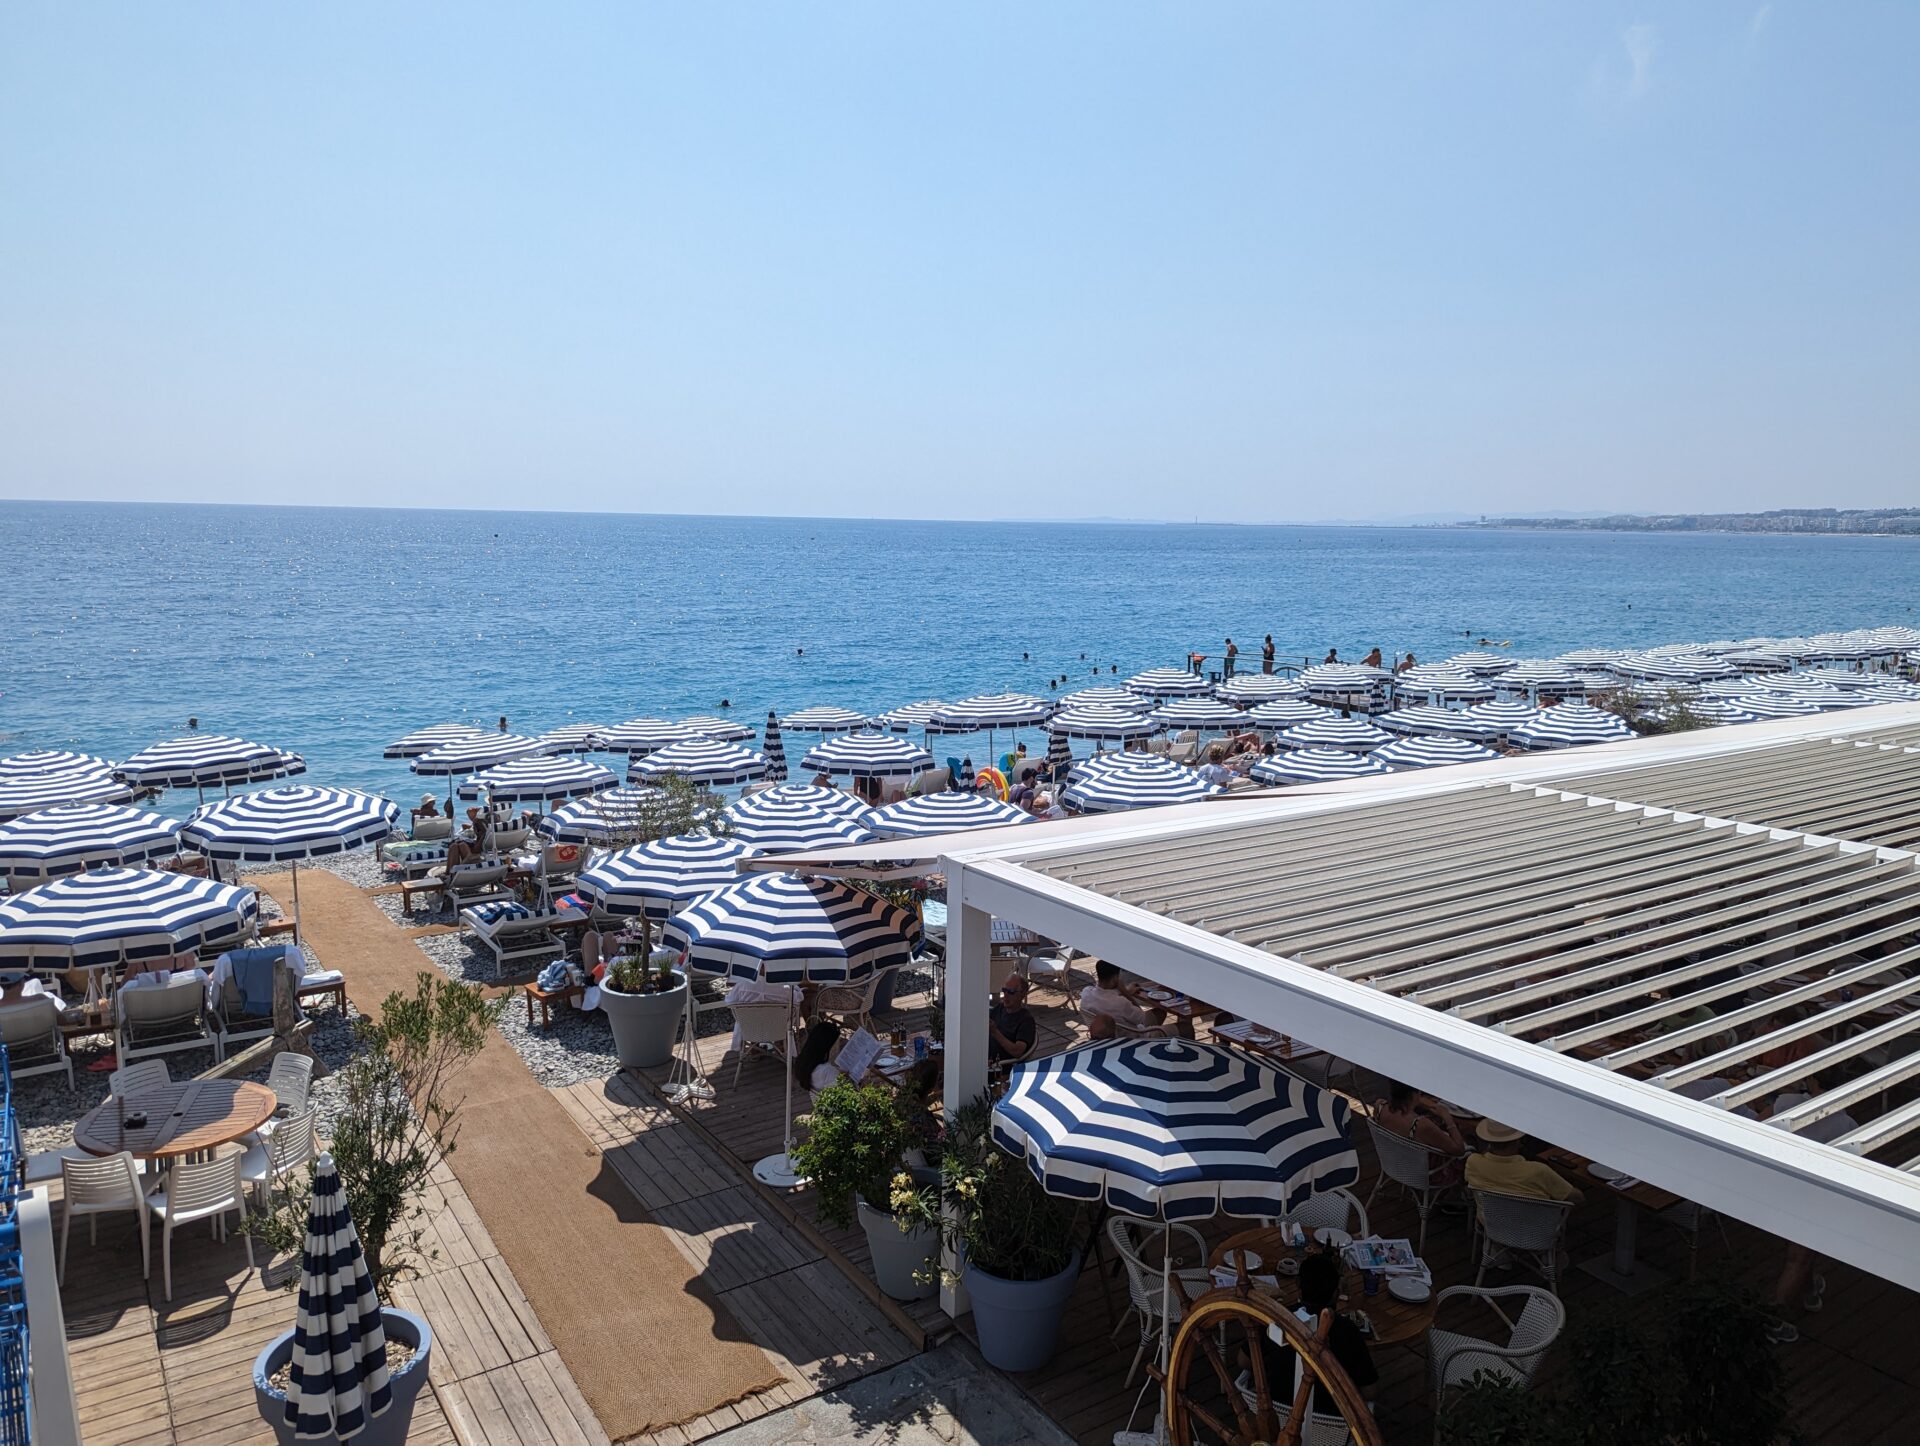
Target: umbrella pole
(777, 1170)
(296, 904)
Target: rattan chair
(1127, 1237)
(1524, 1226)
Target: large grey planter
(390, 1427)
(1018, 1321)
(898, 1257)
(645, 1025)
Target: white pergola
(1525, 937)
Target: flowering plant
(999, 1219)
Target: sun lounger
(484, 882)
(242, 991)
(426, 831)
(161, 1018)
(513, 933)
(30, 1029)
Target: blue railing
(16, 1412)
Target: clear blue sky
(1237, 261)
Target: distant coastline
(1798, 521)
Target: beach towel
(494, 913)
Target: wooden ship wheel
(1217, 1389)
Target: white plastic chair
(96, 1186)
(288, 1148)
(1454, 1359)
(1412, 1166)
(1143, 1279)
(199, 1190)
(762, 1024)
(1524, 1225)
(291, 1080)
(139, 1077)
(1335, 1209)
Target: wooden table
(1283, 1048)
(1395, 1322)
(188, 1118)
(546, 998)
(1620, 1268)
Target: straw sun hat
(1495, 1133)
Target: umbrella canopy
(425, 740)
(1810, 690)
(791, 827)
(991, 711)
(1720, 710)
(868, 755)
(1175, 1130)
(279, 825)
(338, 1382)
(1431, 752)
(573, 738)
(1247, 689)
(776, 751)
(45, 762)
(812, 795)
(1423, 719)
(1774, 705)
(1441, 683)
(200, 759)
(58, 841)
(826, 719)
(1103, 698)
(1316, 765)
(1534, 677)
(110, 915)
(938, 813)
(602, 817)
(1168, 683)
(1484, 663)
(786, 929)
(1569, 725)
(700, 760)
(909, 716)
(1888, 690)
(721, 730)
(1350, 734)
(1115, 781)
(474, 755)
(657, 878)
(1500, 719)
(1590, 657)
(640, 736)
(1206, 715)
(30, 794)
(1342, 681)
(1102, 724)
(1286, 713)
(541, 779)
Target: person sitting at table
(1320, 1290)
(1022, 794)
(1109, 1000)
(1502, 1167)
(1011, 1027)
(1407, 1112)
(813, 1067)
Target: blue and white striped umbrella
(58, 841)
(50, 762)
(1570, 725)
(825, 719)
(277, 825)
(425, 740)
(1811, 690)
(700, 760)
(1316, 765)
(1423, 719)
(1169, 683)
(1582, 658)
(1111, 782)
(720, 730)
(1170, 1129)
(786, 929)
(776, 751)
(1500, 719)
(1720, 710)
(1204, 715)
(1102, 724)
(1343, 684)
(990, 712)
(1103, 698)
(475, 755)
(1775, 705)
(1890, 690)
(1059, 754)
(868, 755)
(1533, 678)
(573, 738)
(1441, 683)
(1350, 734)
(201, 759)
(638, 737)
(1286, 713)
(769, 801)
(1484, 663)
(1247, 689)
(109, 915)
(909, 717)
(30, 794)
(785, 828)
(541, 779)
(1431, 752)
(602, 817)
(339, 1383)
(947, 812)
(658, 878)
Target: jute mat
(641, 1332)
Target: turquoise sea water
(332, 631)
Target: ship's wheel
(1218, 1393)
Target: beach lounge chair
(243, 991)
(513, 933)
(506, 840)
(934, 780)
(484, 882)
(426, 833)
(30, 1030)
(162, 1018)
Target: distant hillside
(1886, 521)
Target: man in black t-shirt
(1319, 1289)
(1011, 1029)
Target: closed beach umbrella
(700, 760)
(658, 878)
(1570, 725)
(602, 817)
(1059, 754)
(776, 751)
(945, 812)
(1775, 705)
(1104, 698)
(1246, 689)
(1169, 683)
(1204, 715)
(1426, 720)
(1431, 752)
(1101, 724)
(573, 738)
(1350, 734)
(721, 730)
(26, 794)
(425, 740)
(1316, 765)
(1500, 719)
(201, 759)
(1113, 782)
(1286, 713)
(868, 755)
(338, 1383)
(826, 719)
(474, 755)
(1484, 663)
(106, 916)
(1442, 683)
(57, 841)
(540, 779)
(638, 737)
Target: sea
(332, 631)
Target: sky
(1226, 261)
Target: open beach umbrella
(868, 755)
(1111, 782)
(1100, 723)
(825, 719)
(793, 827)
(1350, 734)
(658, 878)
(784, 929)
(1286, 713)
(25, 794)
(1159, 683)
(1890, 690)
(1478, 660)
(539, 779)
(338, 1382)
(776, 751)
(1203, 715)
(638, 737)
(1103, 698)
(837, 802)
(1497, 720)
(474, 755)
(1345, 685)
(989, 713)
(42, 762)
(1774, 705)
(1246, 689)
(201, 759)
(720, 730)
(945, 812)
(909, 716)
(1569, 725)
(1590, 657)
(1533, 677)
(107, 916)
(68, 840)
(1720, 710)
(1431, 752)
(1316, 765)
(1441, 683)
(572, 738)
(602, 817)
(286, 825)
(699, 760)
(1810, 690)
(425, 740)
(1423, 719)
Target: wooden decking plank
(558, 1402)
(525, 1417)
(515, 1301)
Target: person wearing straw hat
(1502, 1167)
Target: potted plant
(1019, 1247)
(855, 1154)
(644, 996)
(396, 1125)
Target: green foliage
(1000, 1219)
(1619, 1385)
(1491, 1411)
(677, 806)
(1643, 713)
(857, 1139)
(644, 970)
(1729, 1387)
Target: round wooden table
(188, 1118)
(1394, 1321)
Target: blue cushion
(494, 913)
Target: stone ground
(946, 1397)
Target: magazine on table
(1389, 1257)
